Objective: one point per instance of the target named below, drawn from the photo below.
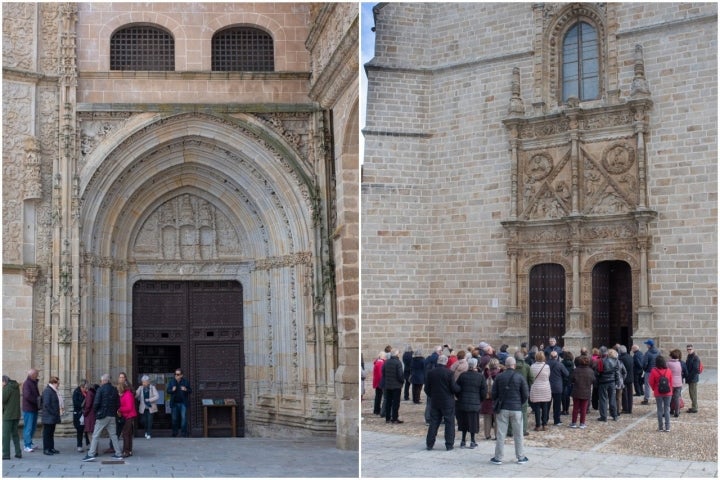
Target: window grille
(142, 47)
(242, 49)
(581, 63)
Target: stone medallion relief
(187, 227)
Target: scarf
(61, 402)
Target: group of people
(95, 408)
(480, 381)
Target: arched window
(142, 47)
(581, 63)
(242, 49)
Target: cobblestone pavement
(630, 447)
(195, 457)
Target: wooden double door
(196, 326)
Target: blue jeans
(663, 411)
(148, 419)
(179, 410)
(29, 426)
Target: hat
(482, 346)
(650, 342)
(442, 360)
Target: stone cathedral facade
(537, 169)
(166, 207)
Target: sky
(367, 52)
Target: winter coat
(152, 399)
(638, 361)
(30, 395)
(77, 398)
(89, 411)
(524, 369)
(177, 395)
(417, 370)
(606, 370)
(540, 390)
(407, 364)
(393, 374)
(431, 362)
(620, 376)
(127, 405)
(676, 368)
(511, 388)
(558, 376)
(649, 359)
(11, 401)
(569, 366)
(654, 381)
(486, 407)
(582, 381)
(693, 368)
(627, 360)
(441, 388)
(51, 406)
(377, 372)
(106, 401)
(472, 391)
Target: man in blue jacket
(648, 364)
(510, 389)
(179, 390)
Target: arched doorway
(547, 303)
(196, 326)
(611, 303)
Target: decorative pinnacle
(516, 103)
(640, 87)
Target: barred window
(581, 63)
(242, 49)
(142, 47)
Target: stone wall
(436, 173)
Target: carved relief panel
(187, 228)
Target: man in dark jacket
(430, 363)
(693, 376)
(180, 390)
(607, 368)
(106, 404)
(407, 365)
(30, 407)
(11, 417)
(510, 390)
(394, 379)
(638, 381)
(559, 375)
(627, 396)
(441, 388)
(648, 364)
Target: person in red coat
(377, 381)
(128, 412)
(662, 399)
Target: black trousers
(437, 415)
(378, 401)
(48, 436)
(557, 399)
(393, 403)
(406, 393)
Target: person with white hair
(509, 393)
(441, 389)
(148, 397)
(472, 391)
(105, 404)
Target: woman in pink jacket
(662, 399)
(675, 366)
(128, 412)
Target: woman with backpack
(660, 381)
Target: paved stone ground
(630, 447)
(195, 457)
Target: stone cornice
(212, 76)
(340, 71)
(225, 108)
